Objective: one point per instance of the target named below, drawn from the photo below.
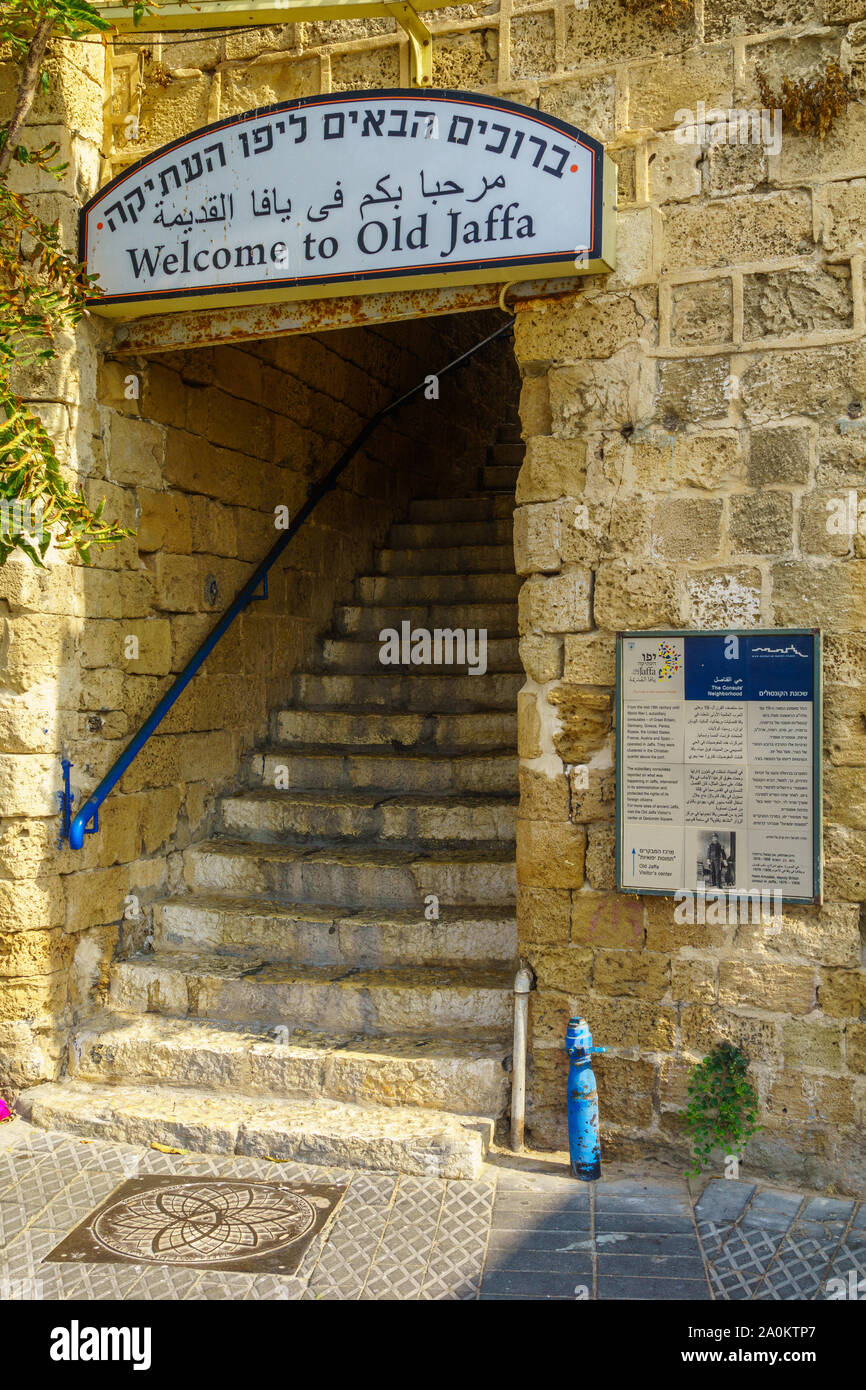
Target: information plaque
(718, 762)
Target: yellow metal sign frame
(229, 14)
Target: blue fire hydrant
(583, 1141)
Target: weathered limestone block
(169, 112)
(842, 208)
(659, 91)
(550, 854)
(643, 975)
(823, 523)
(812, 1044)
(855, 1047)
(536, 535)
(576, 328)
(590, 658)
(465, 61)
(844, 658)
(845, 863)
(136, 452)
(628, 1022)
(593, 792)
(29, 904)
(781, 988)
(686, 528)
(263, 84)
(607, 920)
(598, 395)
(589, 103)
(32, 952)
(104, 643)
(702, 312)
(640, 595)
(542, 658)
(37, 999)
(783, 302)
(528, 725)
(556, 604)
(843, 794)
(735, 168)
(601, 856)
(725, 598)
(840, 457)
(694, 389)
(604, 33)
(585, 718)
(762, 523)
(535, 413)
(838, 156)
(693, 980)
(533, 43)
(779, 455)
(841, 993)
(704, 1026)
(543, 797)
(549, 1012)
(625, 1091)
(804, 381)
(30, 1055)
(29, 783)
(164, 522)
(673, 169)
(794, 1098)
(552, 468)
(543, 914)
(563, 968)
(806, 595)
(829, 934)
(737, 230)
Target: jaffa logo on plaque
(350, 193)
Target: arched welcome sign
(348, 194)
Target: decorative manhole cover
(206, 1223)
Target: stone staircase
(301, 999)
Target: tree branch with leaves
(43, 291)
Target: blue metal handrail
(86, 822)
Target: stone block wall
(194, 452)
(694, 413)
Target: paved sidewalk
(526, 1230)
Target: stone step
(446, 559)
(369, 619)
(510, 432)
(387, 817)
(364, 654)
(414, 535)
(499, 587)
(404, 1139)
(499, 478)
(317, 768)
(330, 935)
(374, 729)
(407, 689)
(377, 875)
(437, 1072)
(481, 507)
(329, 999)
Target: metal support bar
(87, 822)
(420, 44)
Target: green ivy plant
(43, 291)
(722, 1109)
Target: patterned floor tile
(802, 1261)
(740, 1265)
